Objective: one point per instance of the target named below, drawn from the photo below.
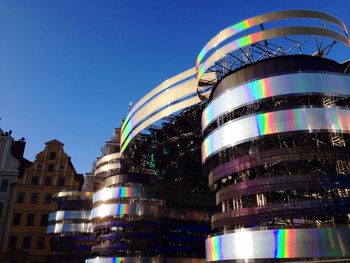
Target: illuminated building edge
(179, 92)
(143, 260)
(302, 119)
(252, 199)
(279, 244)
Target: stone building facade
(25, 237)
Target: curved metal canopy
(180, 92)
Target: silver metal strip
(74, 195)
(69, 228)
(168, 97)
(156, 211)
(151, 193)
(107, 167)
(163, 86)
(301, 119)
(265, 35)
(299, 83)
(163, 113)
(108, 193)
(108, 157)
(279, 244)
(274, 16)
(66, 215)
(144, 260)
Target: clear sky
(69, 68)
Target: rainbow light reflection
(122, 209)
(228, 32)
(284, 246)
(300, 119)
(111, 193)
(214, 248)
(126, 131)
(234, 45)
(255, 90)
(267, 124)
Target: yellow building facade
(25, 239)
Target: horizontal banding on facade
(145, 193)
(297, 209)
(305, 182)
(69, 228)
(108, 158)
(145, 210)
(123, 178)
(303, 153)
(144, 260)
(279, 244)
(288, 85)
(67, 215)
(254, 21)
(301, 119)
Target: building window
(30, 219)
(20, 198)
(48, 181)
(40, 243)
(2, 206)
(52, 155)
(34, 198)
(35, 180)
(47, 199)
(16, 219)
(44, 219)
(50, 167)
(61, 181)
(12, 242)
(26, 242)
(4, 185)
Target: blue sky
(69, 68)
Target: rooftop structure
(275, 130)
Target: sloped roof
(54, 142)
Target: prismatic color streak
(207, 149)
(239, 43)
(339, 122)
(259, 89)
(256, 90)
(284, 243)
(126, 131)
(267, 123)
(126, 143)
(234, 29)
(300, 119)
(124, 192)
(118, 260)
(122, 209)
(214, 248)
